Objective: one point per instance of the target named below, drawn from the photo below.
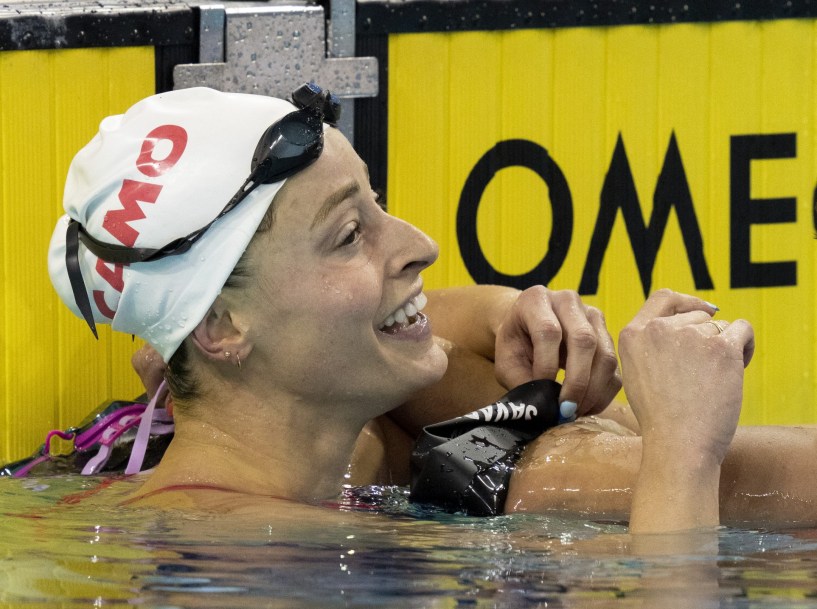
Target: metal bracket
(272, 49)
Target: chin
(429, 370)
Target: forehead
(341, 162)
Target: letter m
(116, 220)
(618, 192)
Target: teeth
(421, 301)
(410, 309)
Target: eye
(352, 236)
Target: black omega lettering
(746, 211)
(515, 153)
(618, 192)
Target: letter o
(154, 168)
(515, 153)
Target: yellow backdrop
(53, 371)
(709, 119)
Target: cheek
(333, 307)
(344, 300)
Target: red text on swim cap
(116, 220)
(152, 167)
(131, 193)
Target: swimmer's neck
(275, 446)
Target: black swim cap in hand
(465, 464)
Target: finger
(713, 327)
(690, 318)
(512, 368)
(614, 386)
(605, 377)
(741, 334)
(583, 377)
(665, 303)
(513, 356)
(538, 333)
(629, 337)
(580, 341)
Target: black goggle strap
(75, 275)
(122, 254)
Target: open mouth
(405, 316)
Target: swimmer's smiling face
(337, 291)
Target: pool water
(59, 548)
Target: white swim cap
(162, 170)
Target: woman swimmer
(293, 318)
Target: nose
(412, 249)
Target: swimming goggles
(115, 424)
(286, 147)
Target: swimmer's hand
(544, 331)
(683, 376)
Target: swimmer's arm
(583, 468)
(591, 469)
(601, 471)
(621, 413)
(381, 454)
(469, 383)
(470, 316)
(675, 491)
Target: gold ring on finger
(719, 325)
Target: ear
(219, 338)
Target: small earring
(238, 359)
(226, 355)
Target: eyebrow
(333, 200)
